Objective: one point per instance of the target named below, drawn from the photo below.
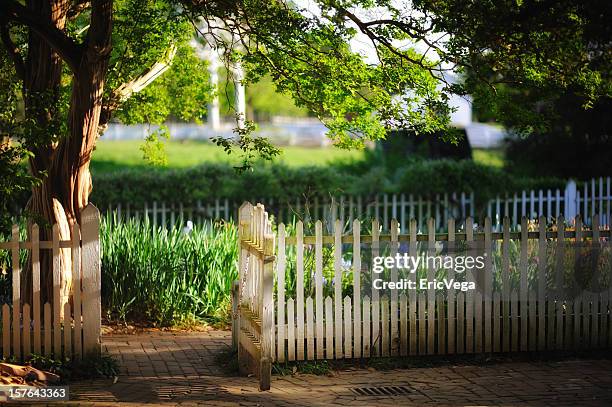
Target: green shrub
(440, 176)
(91, 367)
(281, 183)
(166, 276)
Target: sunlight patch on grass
(491, 157)
(111, 156)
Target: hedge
(208, 182)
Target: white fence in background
(593, 197)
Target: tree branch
(58, 40)
(123, 92)
(12, 50)
(77, 8)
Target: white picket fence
(70, 326)
(518, 306)
(593, 197)
(345, 208)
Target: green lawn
(493, 158)
(111, 156)
(116, 155)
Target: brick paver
(181, 369)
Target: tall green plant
(167, 276)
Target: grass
(112, 156)
(492, 158)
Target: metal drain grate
(381, 391)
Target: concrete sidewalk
(182, 369)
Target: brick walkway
(181, 369)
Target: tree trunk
(41, 93)
(65, 191)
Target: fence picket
(523, 283)
(496, 322)
(36, 287)
(403, 324)
(57, 306)
(299, 288)
(319, 287)
(450, 293)
(329, 328)
(6, 331)
(421, 304)
(576, 323)
(290, 333)
(460, 323)
(384, 319)
(532, 321)
(541, 283)
(559, 257)
(441, 324)
(375, 349)
(357, 327)
(67, 331)
(488, 286)
(348, 334)
(586, 320)
(506, 285)
(478, 333)
(552, 316)
(603, 332)
(514, 305)
(594, 336)
(280, 290)
(76, 296)
(431, 294)
(338, 287)
(366, 343)
(412, 250)
(310, 342)
(27, 334)
(16, 292)
(394, 295)
(469, 322)
(90, 260)
(47, 328)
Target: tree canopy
(504, 49)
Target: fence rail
(527, 298)
(68, 326)
(594, 197)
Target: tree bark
(65, 190)
(41, 89)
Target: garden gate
(309, 303)
(70, 326)
(253, 328)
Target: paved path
(182, 369)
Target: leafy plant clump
(167, 276)
(90, 367)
